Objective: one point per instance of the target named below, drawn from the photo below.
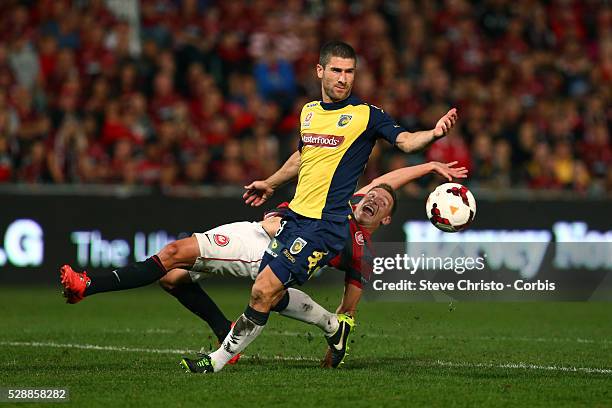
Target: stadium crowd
(210, 92)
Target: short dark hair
(389, 190)
(336, 49)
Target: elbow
(410, 149)
(404, 146)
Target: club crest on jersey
(344, 120)
(307, 119)
(221, 240)
(359, 238)
(297, 246)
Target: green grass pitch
(123, 349)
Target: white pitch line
(521, 365)
(476, 338)
(436, 363)
(505, 338)
(138, 331)
(52, 344)
(395, 336)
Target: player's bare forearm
(400, 177)
(259, 191)
(350, 300)
(287, 172)
(410, 142)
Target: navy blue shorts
(302, 246)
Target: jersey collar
(355, 199)
(351, 100)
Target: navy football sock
(257, 317)
(282, 303)
(132, 276)
(194, 298)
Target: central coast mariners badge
(297, 246)
(307, 119)
(344, 120)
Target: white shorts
(231, 249)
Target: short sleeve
(300, 142)
(383, 125)
(353, 277)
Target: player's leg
(297, 305)
(177, 254)
(265, 292)
(336, 327)
(179, 284)
(282, 266)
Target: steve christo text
(465, 285)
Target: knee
(169, 255)
(261, 295)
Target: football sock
(282, 303)
(132, 276)
(194, 298)
(301, 307)
(248, 326)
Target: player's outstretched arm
(410, 142)
(259, 191)
(400, 177)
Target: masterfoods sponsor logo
(310, 139)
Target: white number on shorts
(280, 229)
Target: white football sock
(239, 337)
(301, 307)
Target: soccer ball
(451, 207)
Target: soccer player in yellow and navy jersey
(337, 135)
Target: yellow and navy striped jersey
(336, 140)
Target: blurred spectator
(164, 97)
(596, 149)
(23, 59)
(541, 170)
(482, 155)
(34, 168)
(275, 78)
(6, 161)
(563, 164)
(196, 170)
(123, 164)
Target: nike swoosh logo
(338, 345)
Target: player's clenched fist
(257, 193)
